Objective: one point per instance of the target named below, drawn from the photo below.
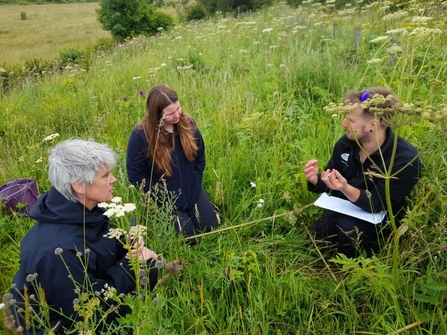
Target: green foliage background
(257, 86)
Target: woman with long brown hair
(166, 148)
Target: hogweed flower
(115, 233)
(116, 207)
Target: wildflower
(155, 301)
(77, 290)
(163, 64)
(30, 278)
(32, 297)
(140, 297)
(142, 93)
(379, 39)
(137, 230)
(144, 281)
(7, 297)
(115, 233)
(394, 49)
(173, 267)
(124, 98)
(39, 160)
(58, 251)
(267, 30)
(160, 264)
(50, 137)
(252, 184)
(141, 273)
(374, 61)
(76, 301)
(87, 250)
(334, 115)
(78, 254)
(135, 78)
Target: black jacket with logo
(406, 171)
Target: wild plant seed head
(58, 251)
(7, 297)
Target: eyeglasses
(365, 96)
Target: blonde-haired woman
(166, 148)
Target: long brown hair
(161, 143)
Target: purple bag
(19, 194)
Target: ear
(78, 187)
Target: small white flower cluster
(50, 137)
(137, 230)
(117, 208)
(379, 39)
(260, 203)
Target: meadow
(258, 87)
(47, 30)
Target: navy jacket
(346, 159)
(80, 233)
(186, 179)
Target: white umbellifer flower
(135, 78)
(394, 49)
(252, 184)
(115, 233)
(379, 39)
(137, 230)
(267, 30)
(402, 31)
(50, 137)
(334, 115)
(116, 207)
(39, 160)
(374, 61)
(163, 64)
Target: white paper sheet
(348, 208)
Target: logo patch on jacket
(344, 158)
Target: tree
(129, 18)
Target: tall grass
(257, 87)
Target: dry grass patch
(47, 30)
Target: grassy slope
(257, 95)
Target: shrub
(196, 12)
(71, 56)
(130, 18)
(23, 16)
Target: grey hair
(77, 161)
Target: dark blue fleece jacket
(186, 179)
(88, 262)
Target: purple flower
(124, 98)
(142, 93)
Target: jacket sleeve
(374, 199)
(138, 164)
(200, 160)
(64, 277)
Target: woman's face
(171, 114)
(101, 190)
